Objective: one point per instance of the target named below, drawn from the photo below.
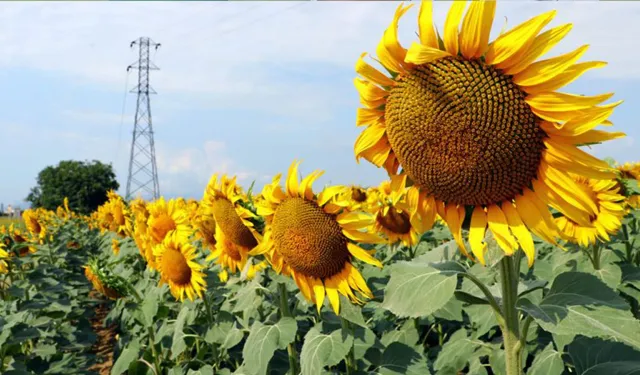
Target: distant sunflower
(608, 219)
(235, 233)
(138, 229)
(205, 226)
(3, 257)
(176, 260)
(479, 125)
(396, 212)
(97, 278)
(630, 170)
(115, 246)
(310, 239)
(34, 225)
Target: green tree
(85, 184)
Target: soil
(103, 347)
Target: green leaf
(482, 317)
(400, 359)
(599, 357)
(351, 312)
(128, 355)
(609, 272)
(418, 289)
(150, 307)
(364, 342)
(263, 341)
(547, 362)
(470, 298)
(456, 352)
(178, 345)
(452, 310)
(219, 332)
(444, 252)
(320, 350)
(407, 334)
(579, 303)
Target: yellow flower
(167, 219)
(630, 170)
(91, 273)
(3, 257)
(607, 220)
(175, 258)
(115, 246)
(479, 125)
(310, 239)
(235, 234)
(34, 224)
(396, 212)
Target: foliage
(85, 184)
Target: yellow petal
(328, 193)
(451, 25)
(389, 50)
(569, 75)
(454, 216)
(305, 186)
(354, 220)
(318, 292)
(545, 70)
(560, 102)
(476, 27)
(541, 45)
(535, 216)
(292, 179)
(420, 54)
(364, 256)
(498, 225)
(359, 236)
(516, 39)
(425, 25)
(476, 233)
(331, 287)
(368, 138)
(520, 231)
(371, 73)
(371, 95)
(367, 116)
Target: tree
(85, 184)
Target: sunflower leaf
(547, 362)
(417, 289)
(579, 303)
(320, 350)
(263, 341)
(599, 357)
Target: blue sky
(244, 87)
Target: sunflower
(310, 239)
(205, 226)
(3, 256)
(176, 260)
(360, 198)
(479, 126)
(396, 212)
(630, 170)
(607, 220)
(96, 277)
(235, 232)
(34, 224)
(115, 246)
(167, 218)
(137, 227)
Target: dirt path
(103, 347)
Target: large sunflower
(167, 218)
(608, 219)
(176, 260)
(479, 126)
(396, 212)
(235, 234)
(310, 238)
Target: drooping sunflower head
(205, 226)
(397, 213)
(629, 170)
(167, 218)
(311, 238)
(103, 280)
(176, 261)
(116, 214)
(606, 221)
(479, 125)
(235, 224)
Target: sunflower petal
(541, 45)
(520, 231)
(569, 75)
(516, 39)
(371, 73)
(451, 26)
(420, 54)
(364, 256)
(545, 70)
(476, 233)
(476, 27)
(425, 25)
(561, 102)
(497, 223)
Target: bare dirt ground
(103, 348)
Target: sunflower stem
(509, 272)
(596, 256)
(350, 359)
(285, 312)
(207, 306)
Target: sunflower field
(498, 245)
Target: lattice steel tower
(143, 172)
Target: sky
(244, 88)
